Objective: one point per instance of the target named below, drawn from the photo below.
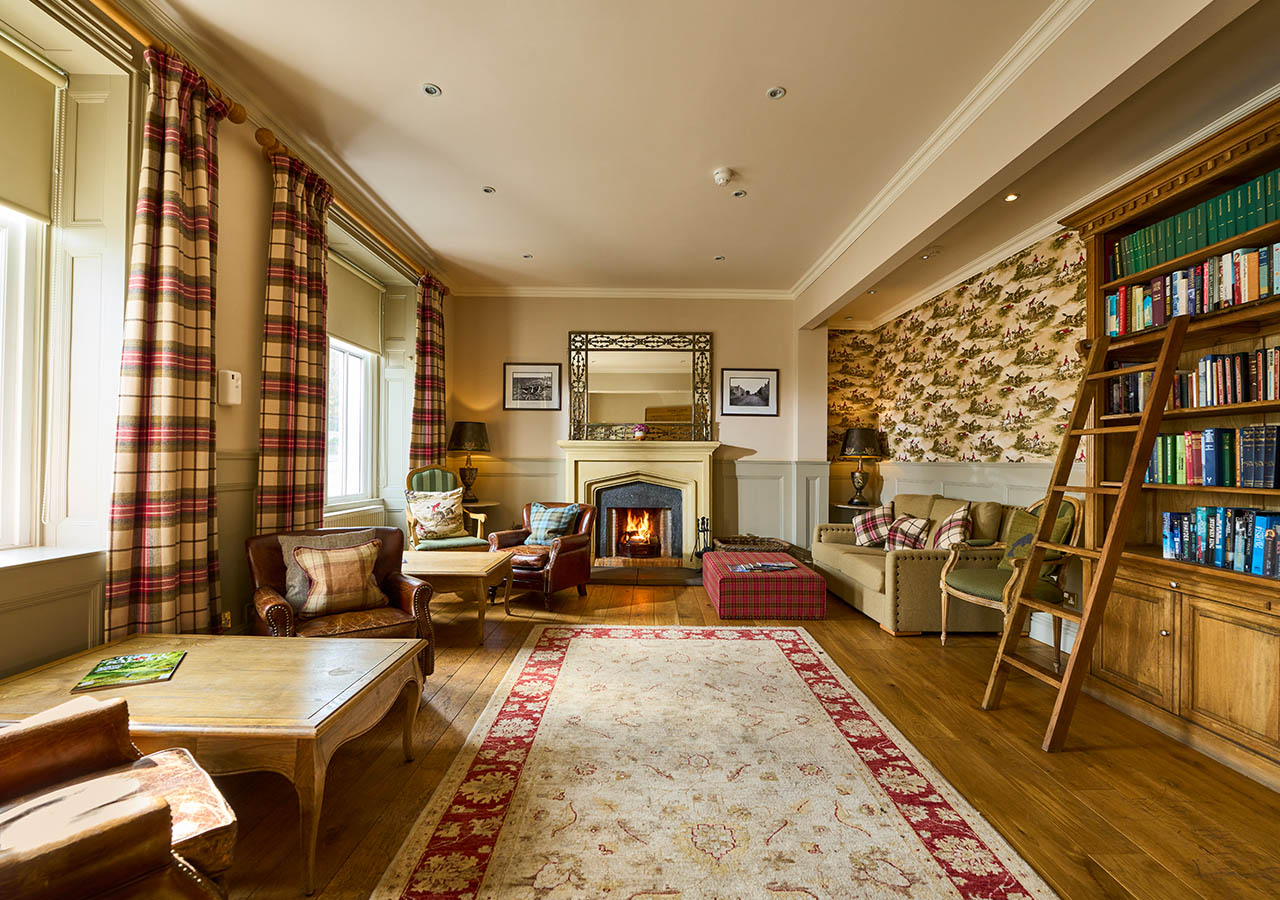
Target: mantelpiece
(684, 465)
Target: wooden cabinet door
(1135, 646)
(1231, 672)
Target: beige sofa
(899, 588)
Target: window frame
(367, 492)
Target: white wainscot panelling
(511, 483)
(771, 498)
(50, 606)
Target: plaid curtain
(427, 440)
(162, 562)
(292, 417)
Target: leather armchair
(564, 563)
(406, 614)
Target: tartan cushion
(955, 529)
(907, 533)
(871, 529)
(295, 580)
(341, 580)
(436, 514)
(546, 523)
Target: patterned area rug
(709, 763)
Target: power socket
(226, 620)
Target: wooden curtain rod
(235, 112)
(271, 145)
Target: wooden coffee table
(242, 704)
(461, 571)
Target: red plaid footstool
(798, 593)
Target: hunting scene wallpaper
(984, 372)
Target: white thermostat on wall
(228, 388)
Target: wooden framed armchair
(433, 478)
(544, 570)
(972, 572)
(406, 613)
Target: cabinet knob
(1164, 632)
(1173, 584)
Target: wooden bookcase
(1191, 649)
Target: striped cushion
(546, 523)
(954, 529)
(907, 533)
(434, 480)
(871, 529)
(341, 580)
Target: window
(21, 255)
(349, 469)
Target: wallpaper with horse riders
(984, 372)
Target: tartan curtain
(292, 417)
(427, 439)
(162, 561)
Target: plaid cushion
(955, 529)
(436, 514)
(341, 580)
(907, 533)
(871, 529)
(546, 523)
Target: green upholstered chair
(972, 572)
(433, 478)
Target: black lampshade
(469, 436)
(860, 443)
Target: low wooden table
(242, 704)
(458, 571)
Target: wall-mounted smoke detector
(722, 175)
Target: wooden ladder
(1127, 491)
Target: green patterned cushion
(546, 523)
(1022, 528)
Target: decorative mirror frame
(583, 342)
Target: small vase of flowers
(639, 431)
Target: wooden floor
(1124, 813)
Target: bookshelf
(1188, 647)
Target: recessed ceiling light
(739, 193)
(528, 256)
(489, 189)
(848, 318)
(872, 291)
(1010, 197)
(718, 258)
(432, 90)
(924, 255)
(777, 92)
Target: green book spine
(1180, 452)
(1211, 220)
(1202, 211)
(1226, 216)
(1259, 207)
(1270, 200)
(1228, 456)
(1179, 234)
(1242, 209)
(1250, 216)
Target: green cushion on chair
(1022, 528)
(989, 584)
(454, 543)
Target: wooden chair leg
(1057, 644)
(946, 600)
(582, 590)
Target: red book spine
(1123, 306)
(1235, 282)
(1239, 383)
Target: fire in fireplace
(639, 532)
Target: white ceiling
(599, 123)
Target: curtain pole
(272, 145)
(235, 112)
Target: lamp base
(467, 475)
(859, 478)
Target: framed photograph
(748, 392)
(531, 385)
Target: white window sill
(26, 556)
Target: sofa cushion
(952, 530)
(341, 579)
(296, 581)
(871, 529)
(388, 621)
(1022, 528)
(917, 506)
(989, 584)
(866, 568)
(466, 542)
(985, 519)
(546, 523)
(436, 514)
(530, 556)
(907, 533)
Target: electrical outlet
(226, 619)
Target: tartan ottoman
(798, 593)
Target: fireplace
(640, 525)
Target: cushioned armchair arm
(413, 595)
(569, 562)
(568, 544)
(274, 611)
(480, 520)
(500, 540)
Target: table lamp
(860, 444)
(468, 436)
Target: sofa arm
(822, 530)
(274, 612)
(68, 741)
(501, 540)
(413, 595)
(913, 573)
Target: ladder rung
(1044, 673)
(1053, 609)
(1125, 370)
(1070, 549)
(1110, 429)
(1105, 488)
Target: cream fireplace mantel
(684, 465)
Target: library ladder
(1127, 492)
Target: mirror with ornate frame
(619, 380)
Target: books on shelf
(1240, 539)
(1219, 379)
(1217, 457)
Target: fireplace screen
(639, 532)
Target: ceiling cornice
(603, 293)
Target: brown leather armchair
(405, 615)
(565, 563)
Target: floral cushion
(341, 580)
(906, 533)
(546, 523)
(436, 514)
(955, 529)
(871, 529)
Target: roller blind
(355, 306)
(26, 136)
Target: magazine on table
(133, 668)
(762, 567)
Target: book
(762, 567)
(135, 668)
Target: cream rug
(710, 763)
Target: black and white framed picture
(748, 392)
(531, 385)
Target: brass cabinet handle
(1173, 584)
(1164, 633)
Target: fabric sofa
(899, 588)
